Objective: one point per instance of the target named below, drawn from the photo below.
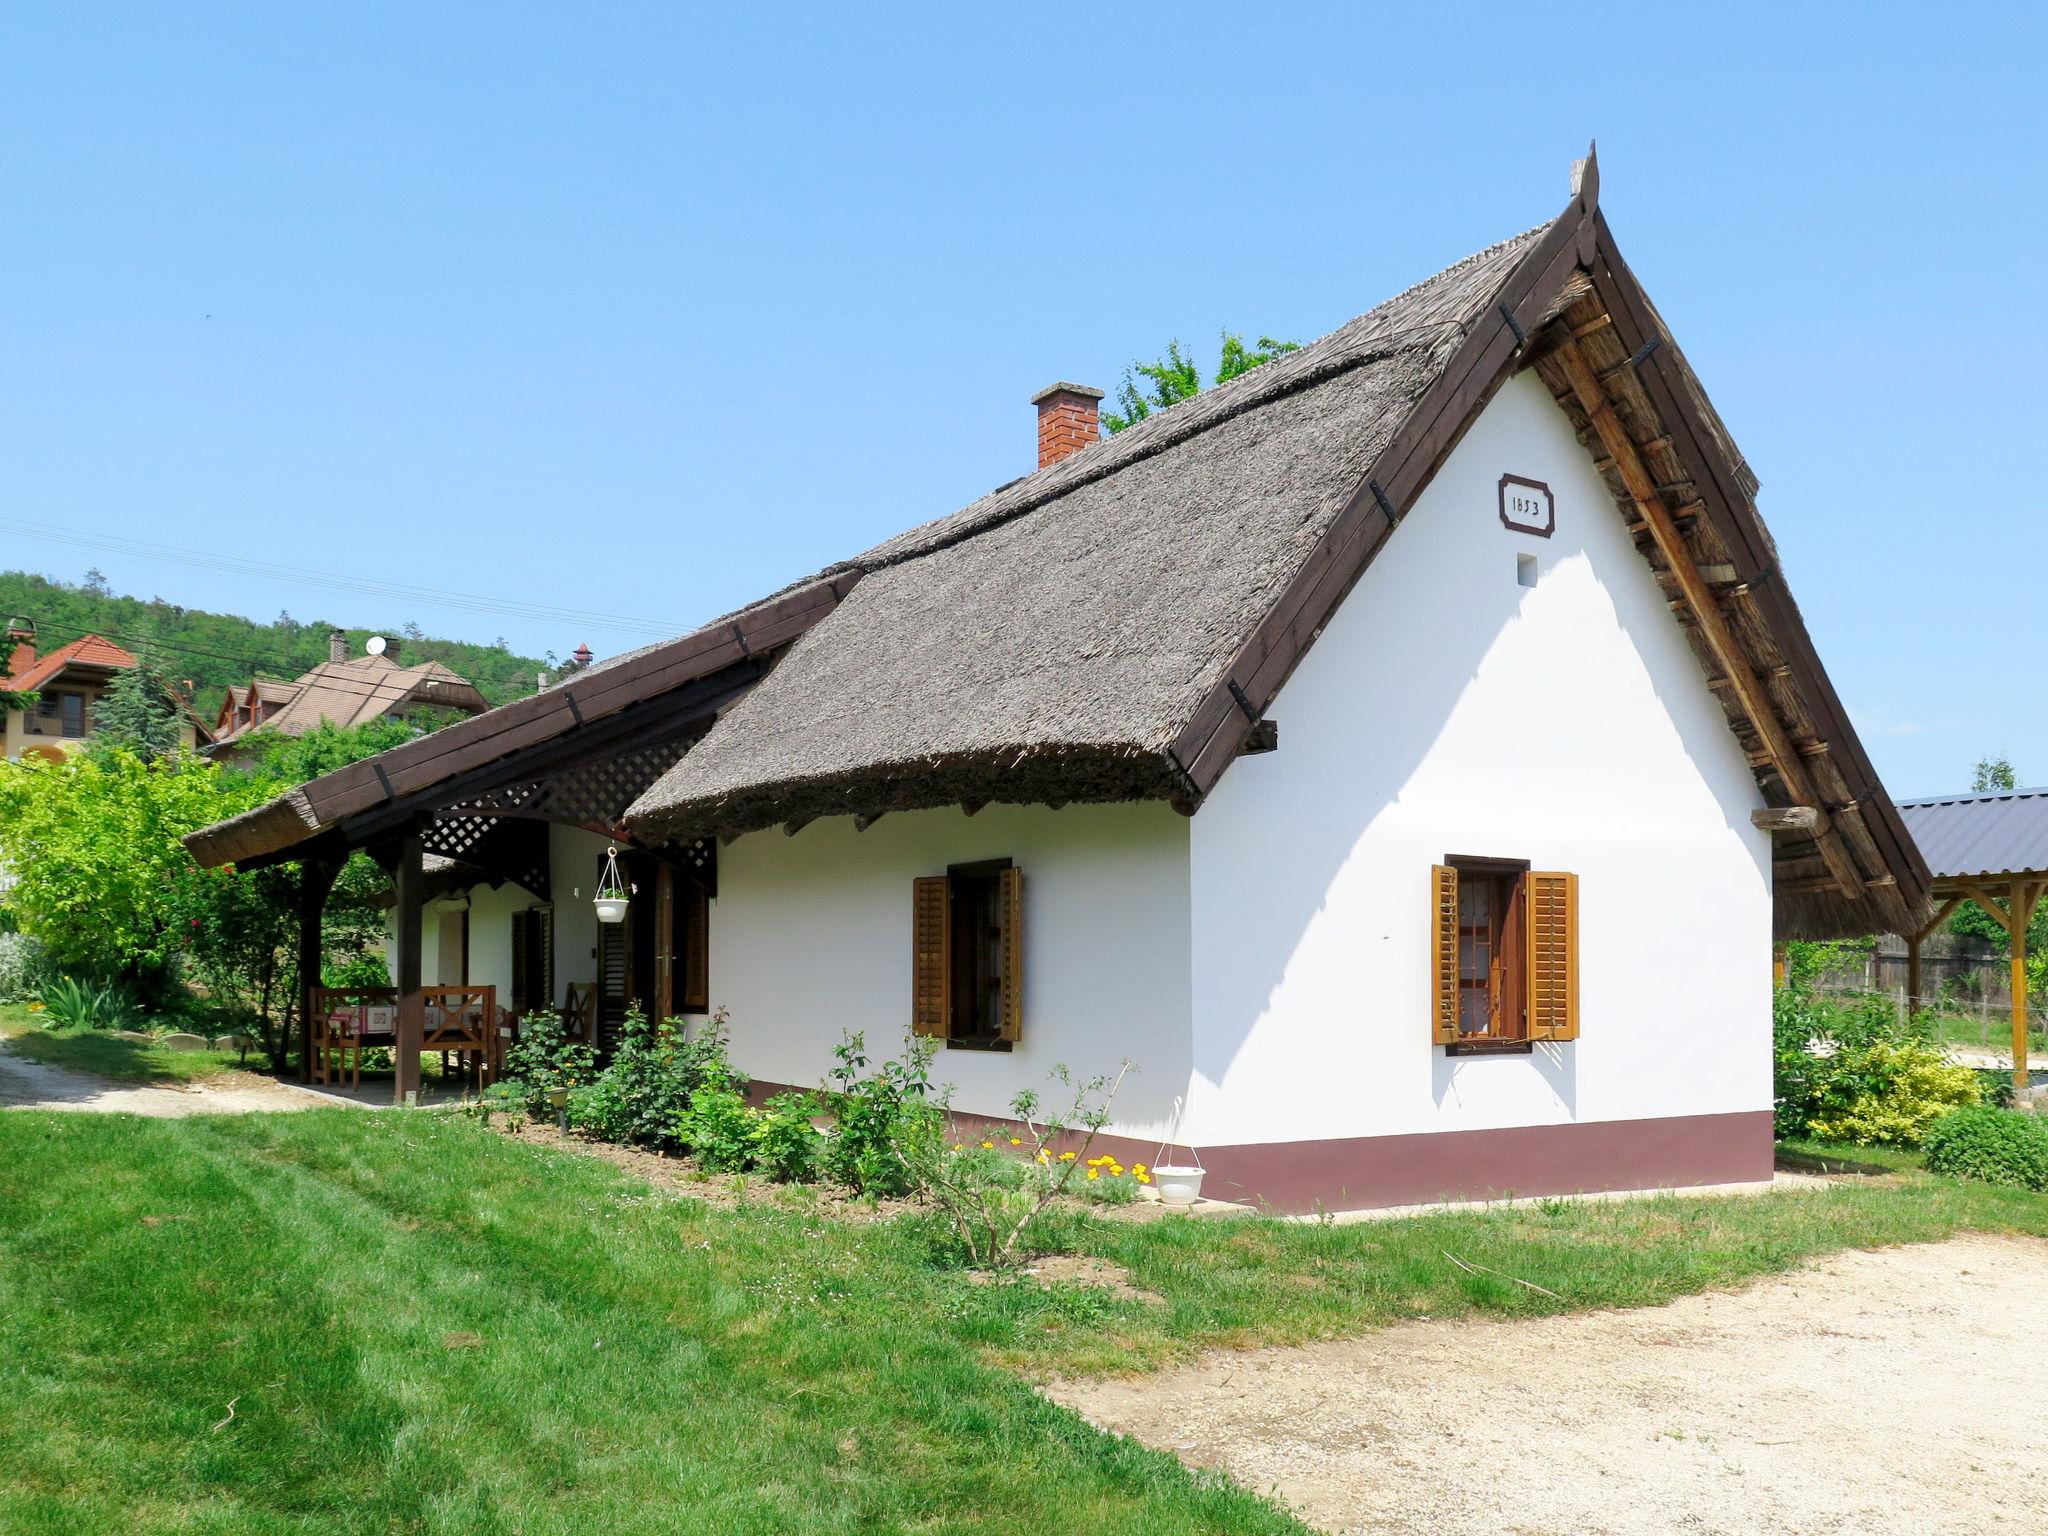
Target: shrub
(994, 1198)
(545, 1059)
(76, 1004)
(21, 967)
(878, 1113)
(651, 1077)
(1894, 1092)
(787, 1146)
(1998, 1146)
(1851, 1070)
(720, 1129)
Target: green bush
(365, 968)
(75, 1004)
(1998, 1146)
(651, 1077)
(719, 1127)
(21, 967)
(787, 1146)
(878, 1113)
(1848, 1069)
(545, 1059)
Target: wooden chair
(461, 1023)
(579, 1013)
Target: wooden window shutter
(542, 941)
(931, 968)
(1010, 903)
(1443, 951)
(695, 991)
(520, 1001)
(1553, 956)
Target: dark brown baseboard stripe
(1363, 1173)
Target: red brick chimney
(21, 636)
(337, 645)
(1067, 420)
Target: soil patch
(1870, 1393)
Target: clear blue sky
(644, 313)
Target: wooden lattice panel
(600, 791)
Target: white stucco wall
(1449, 710)
(810, 936)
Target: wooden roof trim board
(1726, 503)
(1216, 733)
(432, 761)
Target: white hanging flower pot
(611, 890)
(1178, 1185)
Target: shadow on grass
(118, 1060)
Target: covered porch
(497, 826)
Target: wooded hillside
(216, 649)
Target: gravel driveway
(1888, 1392)
(26, 1084)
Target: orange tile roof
(86, 651)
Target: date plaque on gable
(1527, 506)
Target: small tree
(1175, 377)
(136, 714)
(1994, 773)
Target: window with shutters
(1504, 955)
(967, 957)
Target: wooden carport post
(2021, 896)
(316, 880)
(1913, 943)
(410, 881)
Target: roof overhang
(666, 687)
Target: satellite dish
(374, 645)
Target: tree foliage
(1176, 377)
(104, 882)
(138, 713)
(1994, 773)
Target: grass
(106, 1055)
(1991, 1032)
(423, 1326)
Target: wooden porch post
(664, 941)
(412, 1009)
(316, 880)
(2020, 910)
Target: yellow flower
(1043, 1158)
(1144, 1178)
(991, 1146)
(1094, 1173)
(1016, 1141)
(1066, 1157)
(1139, 1169)
(958, 1145)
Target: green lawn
(104, 1054)
(424, 1326)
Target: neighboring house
(347, 690)
(1405, 753)
(68, 683)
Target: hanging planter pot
(611, 890)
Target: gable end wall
(1449, 710)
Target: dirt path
(1888, 1392)
(28, 1084)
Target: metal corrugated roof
(2004, 832)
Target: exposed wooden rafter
(1703, 610)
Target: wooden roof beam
(1749, 689)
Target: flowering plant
(994, 1192)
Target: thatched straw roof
(1050, 641)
